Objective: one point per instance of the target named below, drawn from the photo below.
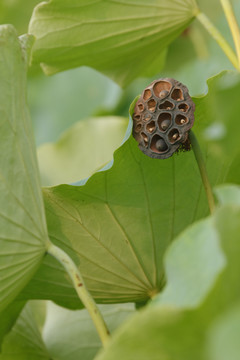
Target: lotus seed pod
(163, 116)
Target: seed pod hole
(158, 144)
(181, 119)
(161, 89)
(164, 121)
(140, 107)
(151, 127)
(177, 94)
(136, 117)
(167, 105)
(151, 105)
(147, 94)
(183, 107)
(137, 128)
(173, 136)
(145, 138)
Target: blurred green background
(80, 116)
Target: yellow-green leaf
(23, 232)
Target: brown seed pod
(163, 116)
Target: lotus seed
(161, 145)
(165, 124)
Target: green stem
(81, 290)
(213, 31)
(233, 25)
(203, 171)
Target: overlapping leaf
(23, 232)
(203, 334)
(123, 39)
(118, 226)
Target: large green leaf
(25, 340)
(115, 226)
(163, 332)
(84, 148)
(71, 335)
(23, 232)
(119, 224)
(123, 39)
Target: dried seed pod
(164, 113)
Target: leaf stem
(233, 25)
(203, 171)
(213, 31)
(81, 290)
